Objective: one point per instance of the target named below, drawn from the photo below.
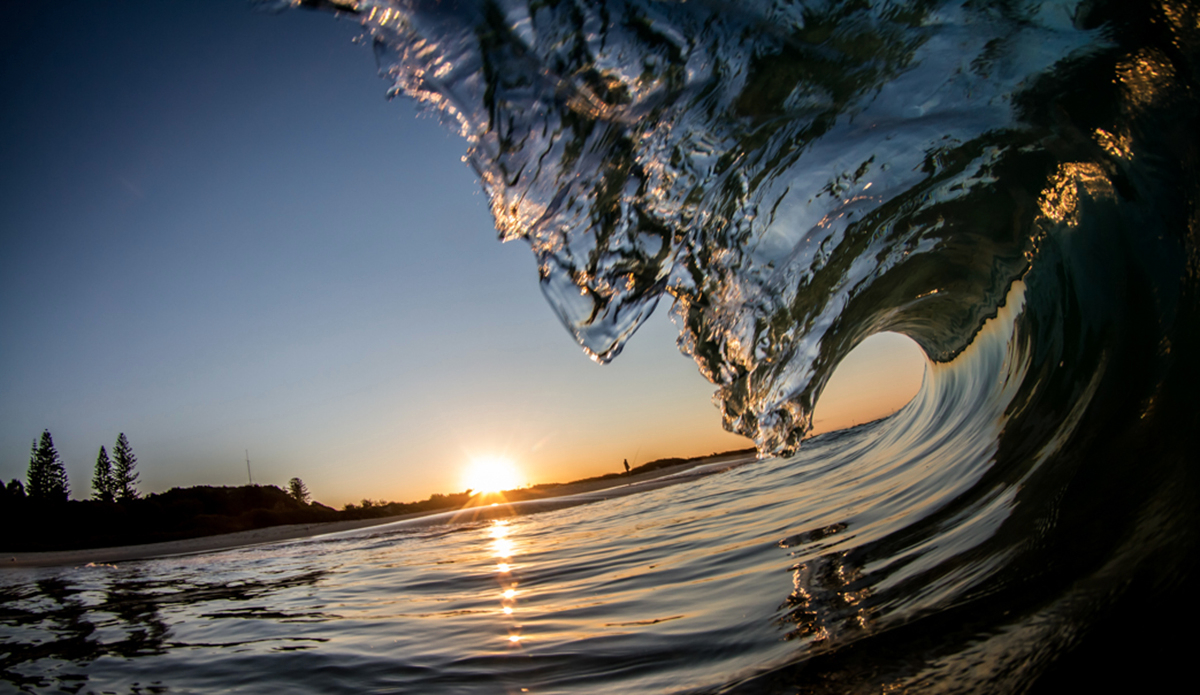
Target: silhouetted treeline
(35, 525)
(31, 524)
(372, 509)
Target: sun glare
(492, 475)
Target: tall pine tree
(124, 477)
(103, 484)
(47, 477)
(298, 490)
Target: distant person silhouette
(626, 466)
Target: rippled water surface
(1013, 185)
(684, 587)
(670, 589)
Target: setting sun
(492, 475)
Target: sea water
(1011, 184)
(681, 588)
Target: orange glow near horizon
(876, 379)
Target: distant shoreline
(556, 497)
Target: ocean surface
(1014, 185)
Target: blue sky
(219, 236)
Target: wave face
(800, 175)
(1011, 184)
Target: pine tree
(47, 477)
(298, 490)
(124, 478)
(103, 484)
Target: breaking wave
(1011, 184)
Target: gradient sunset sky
(219, 236)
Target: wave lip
(799, 176)
(796, 178)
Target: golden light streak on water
(1144, 76)
(1060, 199)
(502, 547)
(1118, 145)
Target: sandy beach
(557, 497)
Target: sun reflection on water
(502, 548)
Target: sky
(220, 238)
